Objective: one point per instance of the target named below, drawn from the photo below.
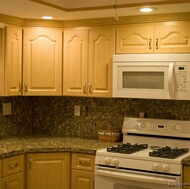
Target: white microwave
(151, 76)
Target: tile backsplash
(54, 116)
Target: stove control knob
(156, 167)
(177, 127)
(165, 168)
(107, 161)
(115, 162)
(142, 125)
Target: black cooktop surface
(167, 152)
(127, 148)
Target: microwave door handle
(171, 80)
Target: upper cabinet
(101, 50)
(75, 62)
(88, 62)
(42, 61)
(136, 38)
(172, 38)
(11, 61)
(166, 37)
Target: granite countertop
(19, 145)
(186, 161)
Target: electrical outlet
(7, 108)
(77, 110)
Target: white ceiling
(64, 9)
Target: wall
(54, 116)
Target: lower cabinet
(15, 181)
(48, 171)
(186, 177)
(82, 171)
(13, 173)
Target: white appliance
(153, 76)
(149, 157)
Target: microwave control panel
(181, 78)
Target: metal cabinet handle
(150, 43)
(30, 163)
(84, 88)
(93, 183)
(26, 87)
(5, 185)
(157, 43)
(20, 87)
(84, 163)
(90, 88)
(12, 166)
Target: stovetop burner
(127, 148)
(167, 152)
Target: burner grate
(167, 152)
(127, 148)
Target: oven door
(114, 178)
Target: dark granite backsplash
(54, 116)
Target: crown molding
(11, 20)
(96, 21)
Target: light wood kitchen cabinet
(1, 174)
(42, 61)
(88, 62)
(168, 37)
(186, 177)
(48, 171)
(13, 173)
(11, 61)
(75, 62)
(82, 171)
(137, 38)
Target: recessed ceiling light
(47, 17)
(146, 9)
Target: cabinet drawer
(14, 181)
(83, 161)
(13, 165)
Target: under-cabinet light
(47, 17)
(146, 9)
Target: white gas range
(149, 157)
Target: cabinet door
(172, 38)
(10, 66)
(135, 39)
(42, 61)
(186, 177)
(75, 63)
(15, 181)
(1, 183)
(48, 171)
(101, 50)
(82, 180)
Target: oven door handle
(138, 176)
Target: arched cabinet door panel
(42, 61)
